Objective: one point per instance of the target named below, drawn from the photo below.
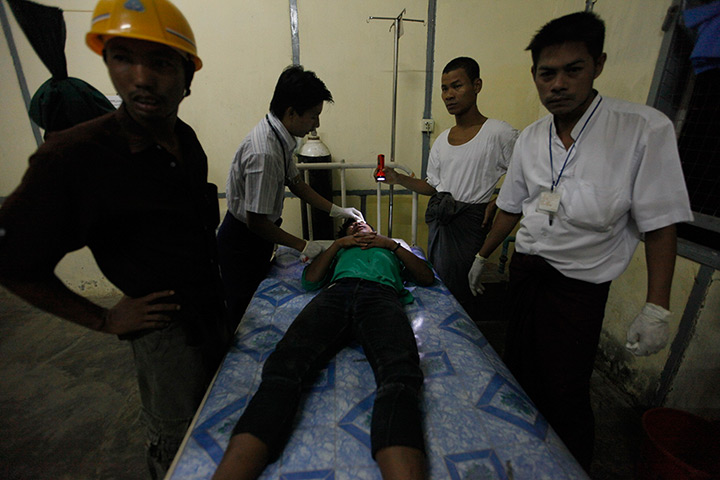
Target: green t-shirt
(375, 264)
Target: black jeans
(372, 314)
(172, 379)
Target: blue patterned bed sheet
(478, 422)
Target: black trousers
(552, 339)
(244, 259)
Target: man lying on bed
(363, 301)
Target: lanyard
(277, 135)
(282, 144)
(572, 147)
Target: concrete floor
(70, 404)
(69, 400)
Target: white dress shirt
(622, 177)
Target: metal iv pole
(398, 26)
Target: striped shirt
(262, 167)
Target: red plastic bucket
(678, 446)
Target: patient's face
(359, 227)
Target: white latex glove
(312, 249)
(347, 212)
(648, 333)
(474, 275)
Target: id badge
(549, 201)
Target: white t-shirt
(622, 177)
(470, 171)
(262, 166)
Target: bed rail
(343, 167)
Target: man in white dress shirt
(585, 182)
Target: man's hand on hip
(134, 314)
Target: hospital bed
(479, 424)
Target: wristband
(397, 245)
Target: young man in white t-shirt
(466, 162)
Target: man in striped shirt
(262, 167)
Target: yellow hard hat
(153, 20)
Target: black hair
(470, 66)
(342, 231)
(189, 66)
(584, 27)
(300, 89)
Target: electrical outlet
(428, 125)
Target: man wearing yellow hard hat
(132, 186)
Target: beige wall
(245, 45)
(697, 387)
